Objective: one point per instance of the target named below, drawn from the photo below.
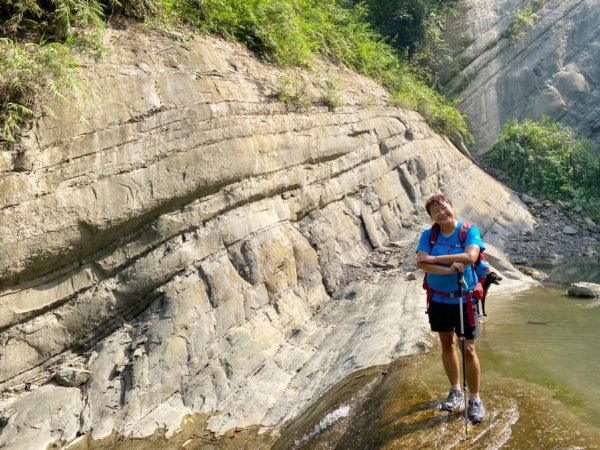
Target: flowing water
(540, 357)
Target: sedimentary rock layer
(185, 240)
(552, 69)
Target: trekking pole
(462, 341)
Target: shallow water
(544, 337)
(540, 362)
(572, 270)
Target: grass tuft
(31, 74)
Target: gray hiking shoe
(476, 411)
(453, 401)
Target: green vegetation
(293, 93)
(331, 95)
(413, 27)
(545, 158)
(28, 73)
(67, 21)
(524, 19)
(441, 114)
(295, 32)
(289, 33)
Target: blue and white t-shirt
(446, 245)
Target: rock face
(189, 241)
(552, 69)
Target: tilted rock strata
(553, 69)
(190, 235)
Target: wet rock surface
(402, 411)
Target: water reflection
(544, 337)
(572, 270)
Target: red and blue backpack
(480, 269)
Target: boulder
(584, 289)
(528, 199)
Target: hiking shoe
(476, 411)
(453, 401)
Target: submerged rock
(533, 273)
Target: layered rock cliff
(185, 245)
(552, 69)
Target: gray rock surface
(196, 241)
(49, 415)
(552, 69)
(583, 289)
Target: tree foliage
(411, 25)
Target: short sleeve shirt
(446, 245)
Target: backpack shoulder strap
(462, 233)
(433, 237)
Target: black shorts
(446, 317)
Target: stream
(540, 362)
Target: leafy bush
(29, 74)
(59, 21)
(545, 158)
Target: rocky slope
(552, 69)
(186, 248)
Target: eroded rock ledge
(185, 243)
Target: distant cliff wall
(552, 69)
